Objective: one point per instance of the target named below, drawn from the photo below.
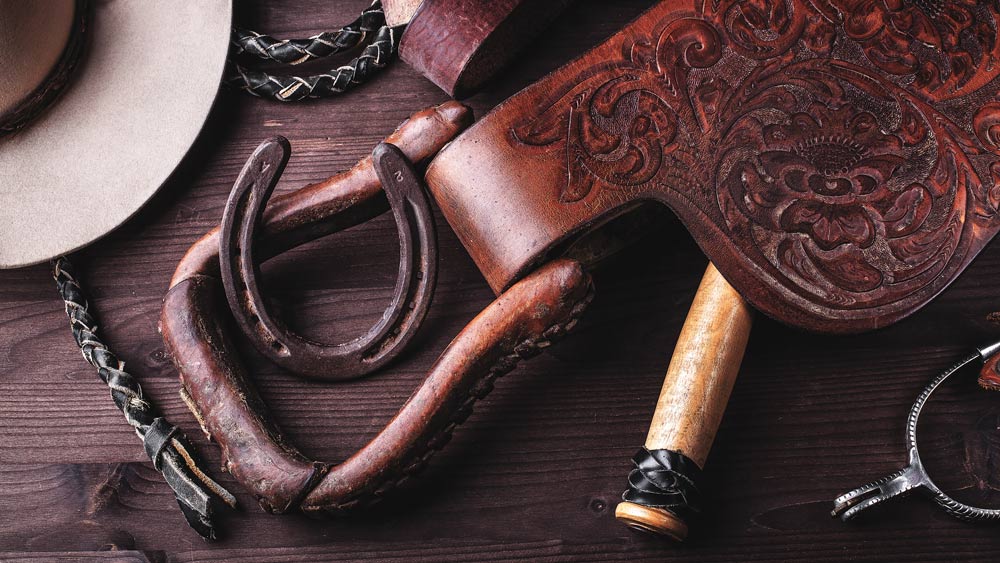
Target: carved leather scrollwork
(841, 153)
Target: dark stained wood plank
(536, 471)
(553, 551)
(75, 557)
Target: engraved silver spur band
(914, 477)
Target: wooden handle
(696, 389)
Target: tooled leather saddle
(836, 159)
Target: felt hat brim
(136, 103)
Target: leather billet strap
(241, 270)
(518, 324)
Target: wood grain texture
(701, 375)
(534, 474)
(703, 369)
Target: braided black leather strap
(375, 56)
(665, 479)
(297, 51)
(163, 442)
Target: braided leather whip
(195, 491)
(297, 51)
(375, 56)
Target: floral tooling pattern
(827, 174)
(948, 45)
(843, 175)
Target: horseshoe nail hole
(598, 506)
(159, 356)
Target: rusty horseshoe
(414, 285)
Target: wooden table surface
(536, 472)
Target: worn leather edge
(230, 410)
(517, 325)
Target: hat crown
(33, 36)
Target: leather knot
(665, 479)
(157, 437)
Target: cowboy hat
(104, 100)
